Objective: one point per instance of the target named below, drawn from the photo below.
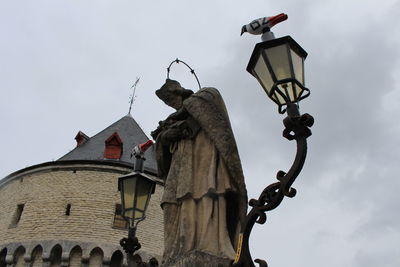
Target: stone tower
(67, 212)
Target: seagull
(263, 25)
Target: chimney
(81, 138)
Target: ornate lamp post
(136, 189)
(278, 65)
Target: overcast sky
(67, 66)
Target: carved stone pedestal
(198, 259)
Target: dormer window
(81, 138)
(113, 148)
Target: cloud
(69, 67)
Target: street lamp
(278, 64)
(136, 189)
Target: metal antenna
(133, 95)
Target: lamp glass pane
(288, 90)
(298, 66)
(138, 214)
(129, 187)
(281, 88)
(298, 90)
(291, 90)
(262, 73)
(279, 59)
(128, 214)
(143, 195)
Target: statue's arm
(170, 135)
(179, 125)
(168, 123)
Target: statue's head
(173, 94)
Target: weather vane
(132, 98)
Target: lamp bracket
(130, 245)
(296, 128)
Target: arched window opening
(55, 256)
(19, 257)
(3, 255)
(96, 257)
(137, 259)
(116, 259)
(75, 257)
(37, 260)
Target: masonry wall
(92, 192)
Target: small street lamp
(136, 189)
(278, 65)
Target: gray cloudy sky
(67, 66)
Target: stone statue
(205, 197)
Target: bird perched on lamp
(263, 25)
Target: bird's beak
(276, 19)
(243, 30)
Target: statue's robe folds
(205, 198)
